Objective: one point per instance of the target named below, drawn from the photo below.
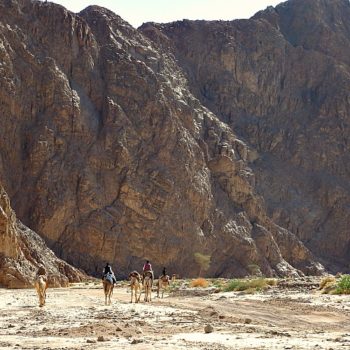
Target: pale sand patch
(75, 317)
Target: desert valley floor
(293, 315)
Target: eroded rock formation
(22, 251)
(109, 153)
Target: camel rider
(108, 270)
(147, 267)
(41, 270)
(164, 272)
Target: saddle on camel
(163, 283)
(135, 285)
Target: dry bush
(203, 262)
(250, 290)
(271, 282)
(327, 281)
(199, 282)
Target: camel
(135, 285)
(147, 284)
(108, 286)
(163, 283)
(41, 286)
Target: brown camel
(108, 286)
(41, 286)
(147, 284)
(135, 285)
(163, 283)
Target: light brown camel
(41, 286)
(163, 283)
(147, 284)
(135, 285)
(108, 286)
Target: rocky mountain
(281, 81)
(22, 251)
(120, 144)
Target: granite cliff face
(22, 251)
(281, 81)
(112, 151)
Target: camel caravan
(138, 283)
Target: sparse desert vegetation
(199, 282)
(76, 317)
(250, 285)
(335, 285)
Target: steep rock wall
(110, 157)
(281, 81)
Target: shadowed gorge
(227, 139)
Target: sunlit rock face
(22, 251)
(111, 151)
(281, 81)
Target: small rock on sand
(208, 328)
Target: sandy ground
(76, 318)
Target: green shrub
(343, 285)
(251, 286)
(217, 283)
(330, 285)
(233, 285)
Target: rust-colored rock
(22, 251)
(107, 154)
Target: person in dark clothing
(164, 271)
(108, 270)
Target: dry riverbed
(293, 315)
